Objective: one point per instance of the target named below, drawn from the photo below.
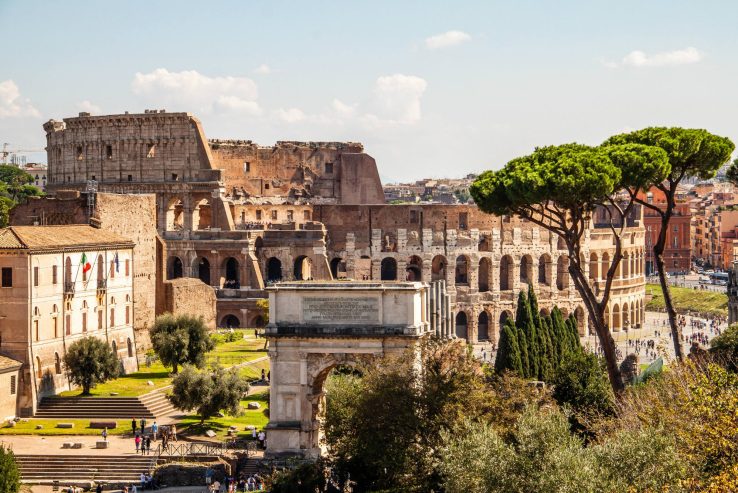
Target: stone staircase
(147, 406)
(80, 469)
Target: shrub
(90, 361)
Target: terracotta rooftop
(48, 237)
(7, 363)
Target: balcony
(102, 286)
(68, 288)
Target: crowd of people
(230, 484)
(142, 437)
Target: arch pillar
(472, 270)
(494, 272)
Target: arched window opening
(129, 344)
(176, 269)
(462, 270)
(506, 273)
(230, 322)
(461, 328)
(483, 327)
(388, 269)
(202, 266)
(57, 364)
(232, 274)
(338, 268)
(526, 269)
(605, 265)
(303, 268)
(484, 270)
(562, 272)
(414, 269)
(274, 269)
(594, 263)
(438, 268)
(544, 270)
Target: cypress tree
(533, 302)
(559, 333)
(524, 323)
(508, 354)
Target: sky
(431, 88)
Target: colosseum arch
(562, 272)
(544, 270)
(581, 321)
(625, 262)
(594, 263)
(230, 321)
(414, 269)
(505, 315)
(526, 269)
(274, 269)
(462, 322)
(605, 265)
(202, 215)
(438, 268)
(625, 317)
(175, 214)
(175, 269)
(336, 264)
(483, 326)
(616, 321)
(485, 268)
(461, 272)
(201, 269)
(507, 273)
(303, 270)
(232, 270)
(388, 269)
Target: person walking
(133, 425)
(105, 434)
(262, 438)
(137, 440)
(143, 426)
(173, 431)
(148, 444)
(154, 429)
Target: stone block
(99, 425)
(254, 405)
(65, 425)
(102, 444)
(211, 433)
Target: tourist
(133, 425)
(173, 431)
(143, 481)
(105, 434)
(263, 375)
(137, 439)
(143, 426)
(154, 429)
(262, 438)
(99, 488)
(134, 489)
(148, 444)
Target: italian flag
(85, 264)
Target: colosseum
(240, 216)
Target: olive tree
(179, 340)
(209, 392)
(691, 153)
(90, 361)
(559, 188)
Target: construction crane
(6, 152)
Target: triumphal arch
(316, 326)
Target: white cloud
(89, 107)
(191, 91)
(290, 115)
(639, 58)
(342, 109)
(11, 102)
(396, 100)
(444, 40)
(263, 69)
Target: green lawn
(81, 427)
(225, 353)
(253, 372)
(190, 425)
(686, 299)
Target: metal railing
(69, 287)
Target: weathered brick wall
(190, 296)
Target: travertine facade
(48, 301)
(239, 216)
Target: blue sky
(430, 88)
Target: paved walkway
(176, 489)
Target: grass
(190, 425)
(81, 427)
(686, 299)
(225, 353)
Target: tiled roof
(44, 237)
(7, 362)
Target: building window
(174, 177)
(68, 324)
(79, 153)
(53, 274)
(35, 276)
(266, 186)
(289, 216)
(329, 168)
(676, 229)
(128, 267)
(246, 167)
(36, 335)
(130, 177)
(109, 151)
(112, 269)
(413, 217)
(112, 317)
(274, 215)
(57, 363)
(99, 318)
(306, 215)
(7, 277)
(258, 215)
(152, 151)
(94, 177)
(463, 219)
(128, 315)
(13, 384)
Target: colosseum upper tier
(240, 216)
